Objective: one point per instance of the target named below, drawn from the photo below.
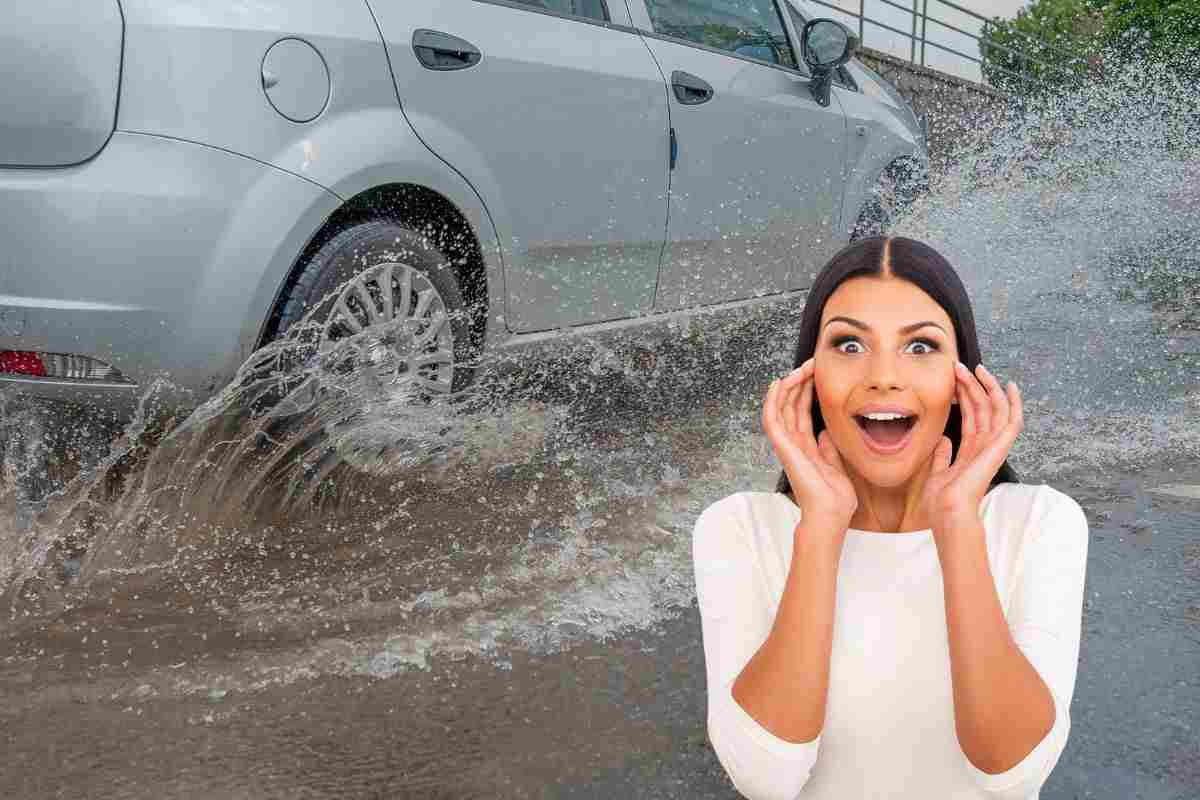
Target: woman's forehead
(883, 302)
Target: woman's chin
(888, 477)
(885, 474)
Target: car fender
(877, 137)
(268, 226)
(361, 150)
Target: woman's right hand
(814, 467)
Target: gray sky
(897, 44)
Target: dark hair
(919, 264)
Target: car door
(758, 171)
(557, 115)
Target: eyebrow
(865, 327)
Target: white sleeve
(1046, 619)
(735, 620)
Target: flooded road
(613, 718)
(515, 617)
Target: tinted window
(577, 8)
(751, 28)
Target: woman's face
(884, 361)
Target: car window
(842, 76)
(593, 9)
(750, 28)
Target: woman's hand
(991, 422)
(814, 467)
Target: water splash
(339, 524)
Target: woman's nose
(883, 372)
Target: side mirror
(826, 45)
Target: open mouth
(886, 435)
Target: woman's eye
(929, 345)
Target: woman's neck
(892, 509)
(887, 509)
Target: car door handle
(689, 89)
(441, 51)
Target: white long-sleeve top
(889, 717)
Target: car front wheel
(898, 187)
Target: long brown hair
(919, 264)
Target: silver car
(182, 180)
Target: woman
(901, 617)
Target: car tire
(362, 248)
(872, 219)
(337, 339)
(899, 185)
(411, 349)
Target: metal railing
(919, 38)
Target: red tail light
(21, 363)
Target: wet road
(621, 717)
(524, 626)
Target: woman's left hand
(991, 422)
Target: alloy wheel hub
(388, 340)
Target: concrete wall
(957, 111)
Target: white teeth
(883, 416)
